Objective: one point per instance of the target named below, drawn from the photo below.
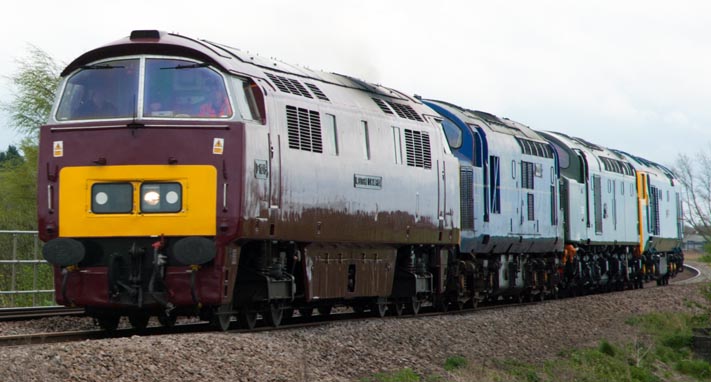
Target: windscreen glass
(184, 89)
(105, 90)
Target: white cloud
(618, 73)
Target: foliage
(11, 155)
(695, 176)
(455, 362)
(404, 375)
(695, 368)
(18, 190)
(35, 84)
(665, 355)
(18, 204)
(607, 348)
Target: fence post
(34, 269)
(13, 279)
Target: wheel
(414, 306)
(474, 302)
(379, 309)
(325, 310)
(167, 320)
(247, 319)
(274, 315)
(460, 304)
(443, 305)
(397, 308)
(306, 312)
(108, 323)
(221, 319)
(139, 320)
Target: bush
(404, 375)
(606, 348)
(642, 375)
(455, 362)
(676, 341)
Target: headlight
(161, 197)
(152, 198)
(112, 198)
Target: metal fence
(26, 279)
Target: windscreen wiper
(99, 66)
(192, 66)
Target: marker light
(111, 198)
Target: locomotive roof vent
(145, 34)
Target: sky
(631, 75)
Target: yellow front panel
(197, 217)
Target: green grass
(408, 375)
(663, 352)
(455, 362)
(404, 375)
(695, 368)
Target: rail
(25, 278)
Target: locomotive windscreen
(101, 91)
(182, 89)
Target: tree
(34, 85)
(11, 155)
(18, 190)
(695, 177)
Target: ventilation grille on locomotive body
(402, 110)
(304, 128)
(538, 149)
(466, 188)
(654, 224)
(319, 94)
(618, 166)
(292, 86)
(417, 148)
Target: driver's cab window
(104, 90)
(452, 132)
(184, 89)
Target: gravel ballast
(343, 351)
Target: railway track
(31, 313)
(692, 273)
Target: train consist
(184, 177)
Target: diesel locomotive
(185, 177)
